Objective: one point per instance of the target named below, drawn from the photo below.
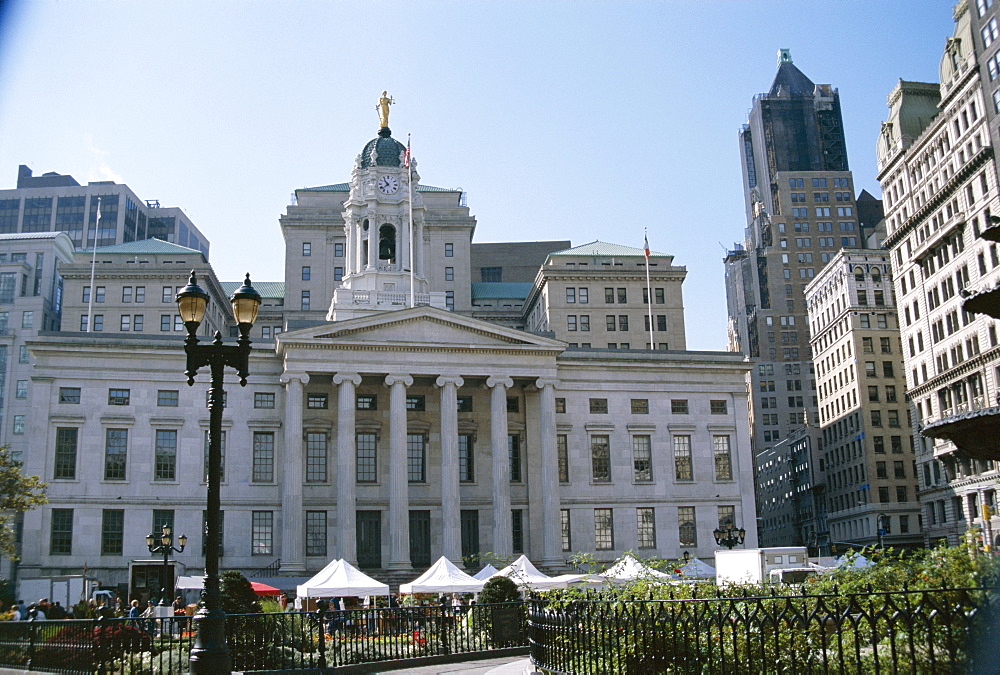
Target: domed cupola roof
(382, 151)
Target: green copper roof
(145, 247)
(603, 248)
(267, 289)
(346, 187)
(500, 290)
(382, 151)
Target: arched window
(876, 274)
(859, 274)
(387, 242)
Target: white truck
(754, 565)
(68, 590)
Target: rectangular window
(723, 459)
(118, 396)
(600, 458)
(570, 296)
(69, 395)
(642, 458)
(598, 406)
(514, 455)
(683, 470)
(449, 273)
(263, 399)
(449, 250)
(679, 406)
(623, 322)
(316, 533)
(560, 405)
(165, 459)
(449, 300)
(517, 530)
(466, 459)
(464, 404)
(604, 530)
(415, 402)
(338, 273)
(263, 457)
(22, 355)
(610, 323)
(727, 516)
(646, 527)
(306, 249)
(416, 458)
(61, 538)
(18, 425)
(564, 526)
(305, 301)
(585, 322)
(65, 459)
(27, 319)
(469, 523)
(126, 323)
(718, 407)
(115, 453)
(126, 294)
(609, 296)
(640, 406)
(316, 457)
(21, 389)
(687, 531)
(367, 402)
(513, 404)
(140, 294)
(367, 467)
(316, 401)
(263, 533)
(222, 457)
(112, 531)
(306, 273)
(164, 323)
(562, 453)
(584, 294)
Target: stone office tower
(800, 206)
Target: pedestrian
(22, 609)
(134, 614)
(283, 602)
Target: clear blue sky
(562, 120)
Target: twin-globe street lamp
(209, 654)
(166, 547)
(730, 536)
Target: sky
(561, 120)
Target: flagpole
(649, 291)
(93, 265)
(409, 182)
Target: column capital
(289, 377)
(543, 382)
(398, 378)
(449, 379)
(340, 378)
(494, 380)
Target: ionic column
(551, 528)
(399, 497)
(502, 544)
(292, 517)
(346, 465)
(450, 503)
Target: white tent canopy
(443, 577)
(696, 569)
(523, 573)
(341, 579)
(627, 568)
(485, 573)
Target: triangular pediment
(420, 327)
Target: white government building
(403, 403)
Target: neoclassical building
(387, 419)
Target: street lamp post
(166, 547)
(209, 654)
(729, 537)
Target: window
(600, 459)
(126, 323)
(623, 322)
(513, 404)
(65, 459)
(893, 416)
(642, 458)
(84, 323)
(165, 459)
(118, 396)
(679, 406)
(115, 453)
(306, 249)
(316, 457)
(22, 354)
(646, 527)
(560, 405)
(598, 406)
(898, 471)
(683, 470)
(164, 322)
(514, 456)
(27, 319)
(18, 427)
(466, 459)
(316, 401)
(449, 273)
(570, 296)
(367, 402)
(723, 459)
(316, 533)
(21, 389)
(449, 300)
(449, 250)
(686, 529)
(98, 322)
(69, 395)
(167, 294)
(896, 442)
(517, 530)
(263, 399)
(263, 533)
(338, 273)
(585, 322)
(609, 296)
(562, 453)
(263, 457)
(140, 294)
(610, 322)
(989, 32)
(469, 532)
(112, 531)
(464, 404)
(604, 530)
(881, 470)
(887, 370)
(222, 457)
(571, 324)
(883, 495)
(367, 470)
(416, 458)
(718, 407)
(901, 494)
(61, 538)
(727, 516)
(640, 406)
(564, 524)
(890, 393)
(305, 301)
(876, 418)
(306, 273)
(584, 294)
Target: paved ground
(505, 666)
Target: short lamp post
(166, 547)
(209, 654)
(730, 536)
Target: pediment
(420, 327)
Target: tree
(238, 596)
(18, 493)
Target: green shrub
(498, 589)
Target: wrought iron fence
(275, 641)
(921, 631)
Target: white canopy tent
(443, 577)
(341, 579)
(526, 575)
(628, 568)
(696, 569)
(485, 573)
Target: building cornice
(947, 376)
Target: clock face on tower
(388, 185)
